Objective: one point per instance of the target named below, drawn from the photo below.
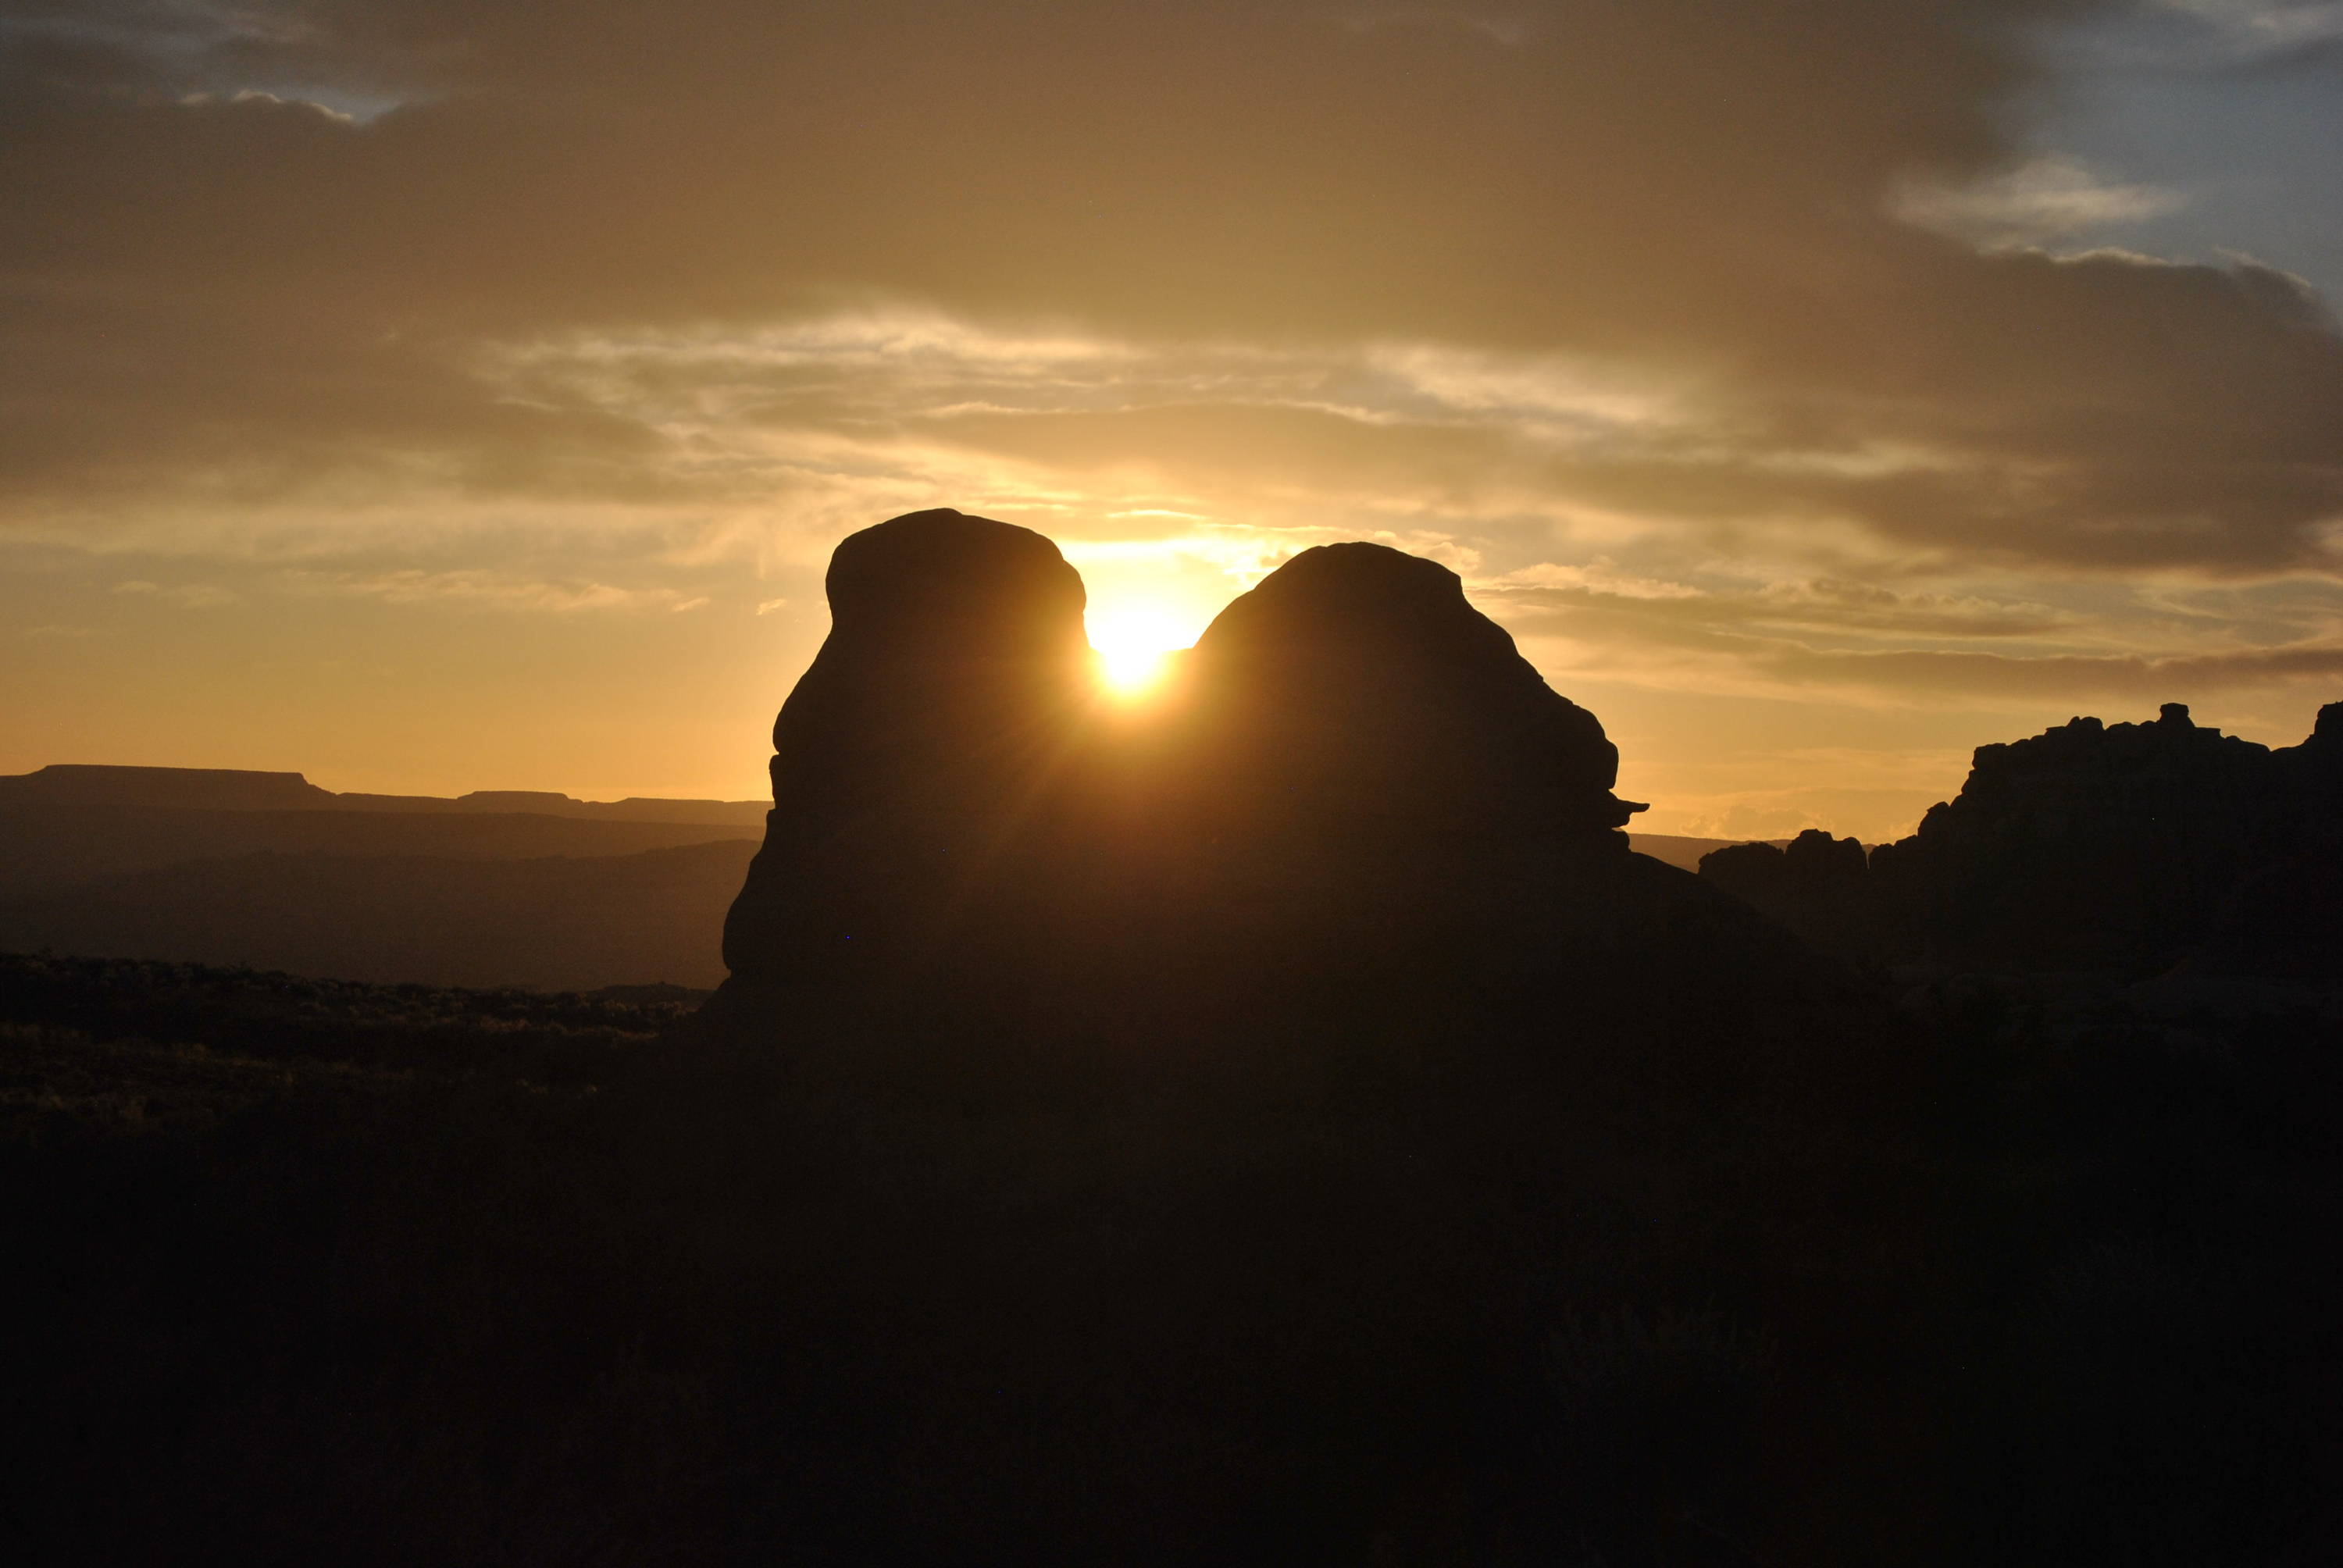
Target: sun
(1134, 643)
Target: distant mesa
(2125, 849)
(517, 801)
(167, 788)
(76, 784)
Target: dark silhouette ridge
(1686, 853)
(2126, 848)
(1815, 885)
(231, 865)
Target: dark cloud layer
(250, 247)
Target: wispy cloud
(480, 589)
(2045, 200)
(193, 595)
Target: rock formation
(1357, 796)
(1356, 681)
(1374, 794)
(926, 768)
(1816, 885)
(2123, 849)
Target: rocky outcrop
(1816, 884)
(1371, 793)
(2090, 846)
(2125, 849)
(2283, 919)
(1356, 798)
(1356, 681)
(928, 769)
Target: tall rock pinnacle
(920, 754)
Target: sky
(432, 397)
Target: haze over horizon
(433, 400)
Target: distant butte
(78, 784)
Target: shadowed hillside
(66, 826)
(572, 923)
(497, 887)
(52, 848)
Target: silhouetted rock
(2123, 847)
(1376, 797)
(2284, 917)
(1751, 871)
(1816, 884)
(2087, 847)
(1816, 859)
(1686, 853)
(1356, 798)
(922, 765)
(1355, 680)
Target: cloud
(1800, 643)
(2260, 27)
(479, 590)
(195, 596)
(2043, 199)
(1823, 606)
(584, 260)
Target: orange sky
(431, 398)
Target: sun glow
(1134, 643)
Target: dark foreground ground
(303, 1271)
